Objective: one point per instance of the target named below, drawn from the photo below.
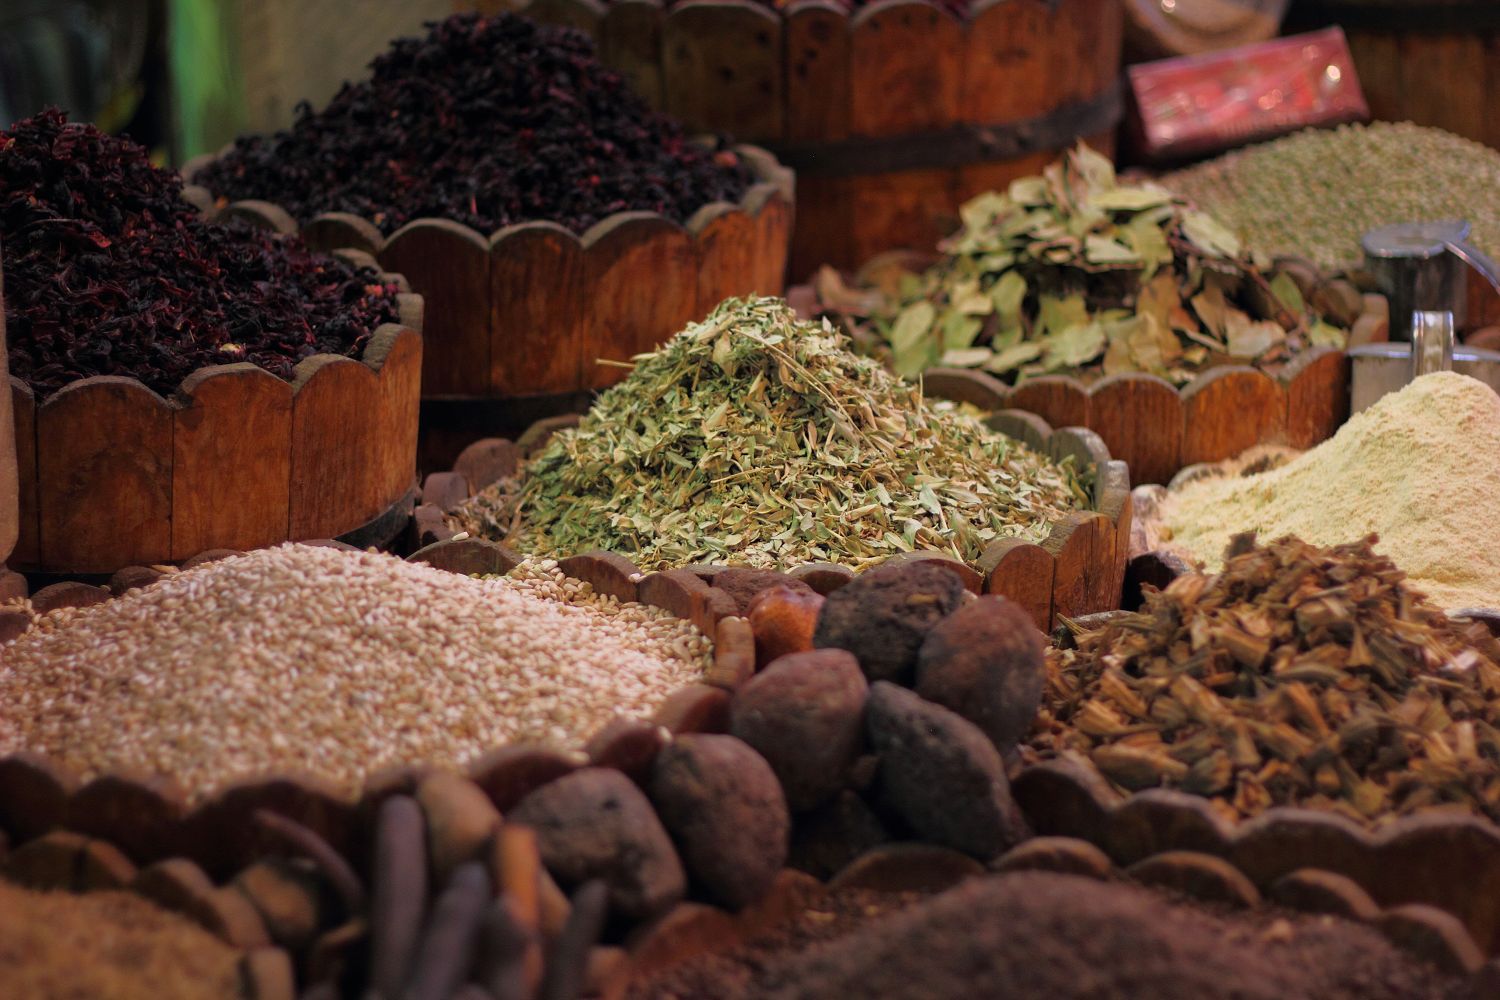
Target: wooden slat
(537, 314)
(231, 460)
(339, 230)
(10, 486)
(1227, 410)
(1083, 545)
(1317, 396)
(1006, 53)
(104, 474)
(1085, 39)
(585, 15)
(1377, 60)
(642, 287)
(1022, 572)
(1139, 417)
(334, 425)
(396, 353)
(448, 264)
(817, 70)
(825, 226)
(630, 43)
(1451, 94)
(772, 213)
(909, 209)
(727, 256)
(23, 413)
(722, 60)
(897, 86)
(1057, 399)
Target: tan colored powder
(107, 946)
(1420, 468)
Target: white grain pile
(302, 658)
(1420, 468)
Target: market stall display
(528, 193)
(170, 364)
(892, 113)
(1121, 308)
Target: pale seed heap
(304, 657)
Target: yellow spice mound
(1420, 468)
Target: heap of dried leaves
(757, 439)
(1073, 273)
(1296, 676)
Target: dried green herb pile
(1073, 273)
(1296, 676)
(1315, 193)
(757, 439)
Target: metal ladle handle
(1477, 259)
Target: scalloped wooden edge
(163, 535)
(1078, 569)
(70, 862)
(1448, 861)
(509, 320)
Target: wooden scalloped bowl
(1077, 570)
(150, 817)
(111, 474)
(892, 115)
(530, 309)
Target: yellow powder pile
(1420, 468)
(107, 946)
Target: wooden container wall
(530, 309)
(892, 115)
(1158, 429)
(1078, 569)
(112, 474)
(9, 485)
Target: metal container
(1381, 368)
(1421, 267)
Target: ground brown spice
(107, 946)
(1057, 937)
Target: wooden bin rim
(376, 350)
(1108, 496)
(771, 179)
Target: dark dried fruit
(883, 615)
(805, 715)
(724, 808)
(986, 661)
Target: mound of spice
(1421, 468)
(1074, 273)
(348, 661)
(1294, 676)
(1041, 936)
(107, 946)
(1315, 193)
(109, 272)
(486, 121)
(757, 439)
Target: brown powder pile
(107, 946)
(1420, 468)
(1040, 936)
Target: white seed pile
(309, 659)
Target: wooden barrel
(9, 488)
(892, 115)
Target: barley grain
(305, 658)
